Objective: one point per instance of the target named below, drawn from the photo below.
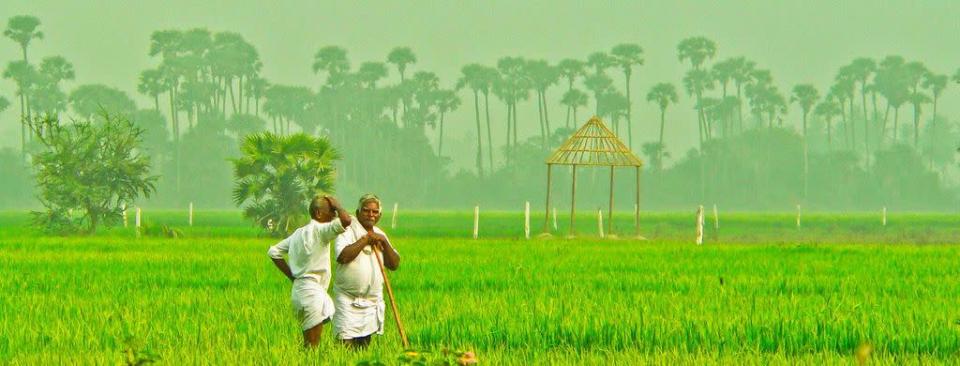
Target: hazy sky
(799, 41)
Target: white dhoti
(357, 316)
(310, 302)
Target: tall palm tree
(695, 82)
(890, 83)
(627, 55)
(447, 101)
(24, 75)
(23, 29)
(542, 75)
(570, 70)
(742, 75)
(828, 109)
(371, 72)
(331, 59)
(47, 98)
(861, 69)
(151, 84)
(806, 95)
(401, 57)
(599, 84)
(473, 77)
(573, 99)
(600, 62)
(936, 84)
(914, 74)
(697, 50)
(663, 94)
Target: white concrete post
(124, 213)
(798, 216)
(555, 219)
(138, 221)
(884, 215)
(700, 225)
(526, 219)
(393, 219)
(716, 218)
(191, 214)
(600, 222)
(476, 221)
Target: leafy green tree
(626, 56)
(91, 168)
(23, 29)
(276, 176)
(4, 104)
(663, 94)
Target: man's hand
(334, 204)
(376, 241)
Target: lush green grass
(788, 297)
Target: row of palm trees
(202, 72)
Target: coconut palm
(914, 73)
(255, 89)
(46, 98)
(151, 84)
(331, 59)
(277, 175)
(742, 75)
(512, 86)
(474, 77)
(541, 76)
(890, 83)
(806, 96)
(696, 49)
(663, 94)
(23, 29)
(600, 62)
(371, 72)
(599, 84)
(627, 55)
(695, 82)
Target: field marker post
(600, 222)
(191, 213)
(393, 219)
(124, 213)
(138, 221)
(700, 225)
(554, 218)
(526, 219)
(884, 215)
(798, 216)
(476, 221)
(716, 218)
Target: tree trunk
(546, 115)
(629, 112)
(543, 134)
(440, 139)
(663, 112)
(486, 107)
(476, 108)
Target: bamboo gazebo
(593, 145)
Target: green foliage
(276, 176)
(89, 168)
(160, 230)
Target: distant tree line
(847, 148)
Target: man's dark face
(369, 214)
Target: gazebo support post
(573, 199)
(546, 216)
(637, 212)
(610, 213)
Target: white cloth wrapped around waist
(357, 316)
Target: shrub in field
(276, 176)
(88, 170)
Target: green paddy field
(759, 291)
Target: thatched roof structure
(594, 144)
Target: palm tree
(277, 175)
(695, 82)
(626, 55)
(914, 74)
(936, 83)
(742, 75)
(697, 50)
(600, 62)
(370, 72)
(401, 57)
(599, 84)
(24, 75)
(806, 96)
(473, 77)
(447, 101)
(255, 89)
(890, 83)
(151, 84)
(570, 69)
(663, 94)
(574, 99)
(828, 109)
(861, 69)
(47, 98)
(331, 59)
(23, 29)
(542, 76)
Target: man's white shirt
(308, 249)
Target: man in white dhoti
(358, 287)
(308, 265)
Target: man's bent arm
(391, 259)
(284, 267)
(350, 252)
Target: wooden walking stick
(393, 301)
